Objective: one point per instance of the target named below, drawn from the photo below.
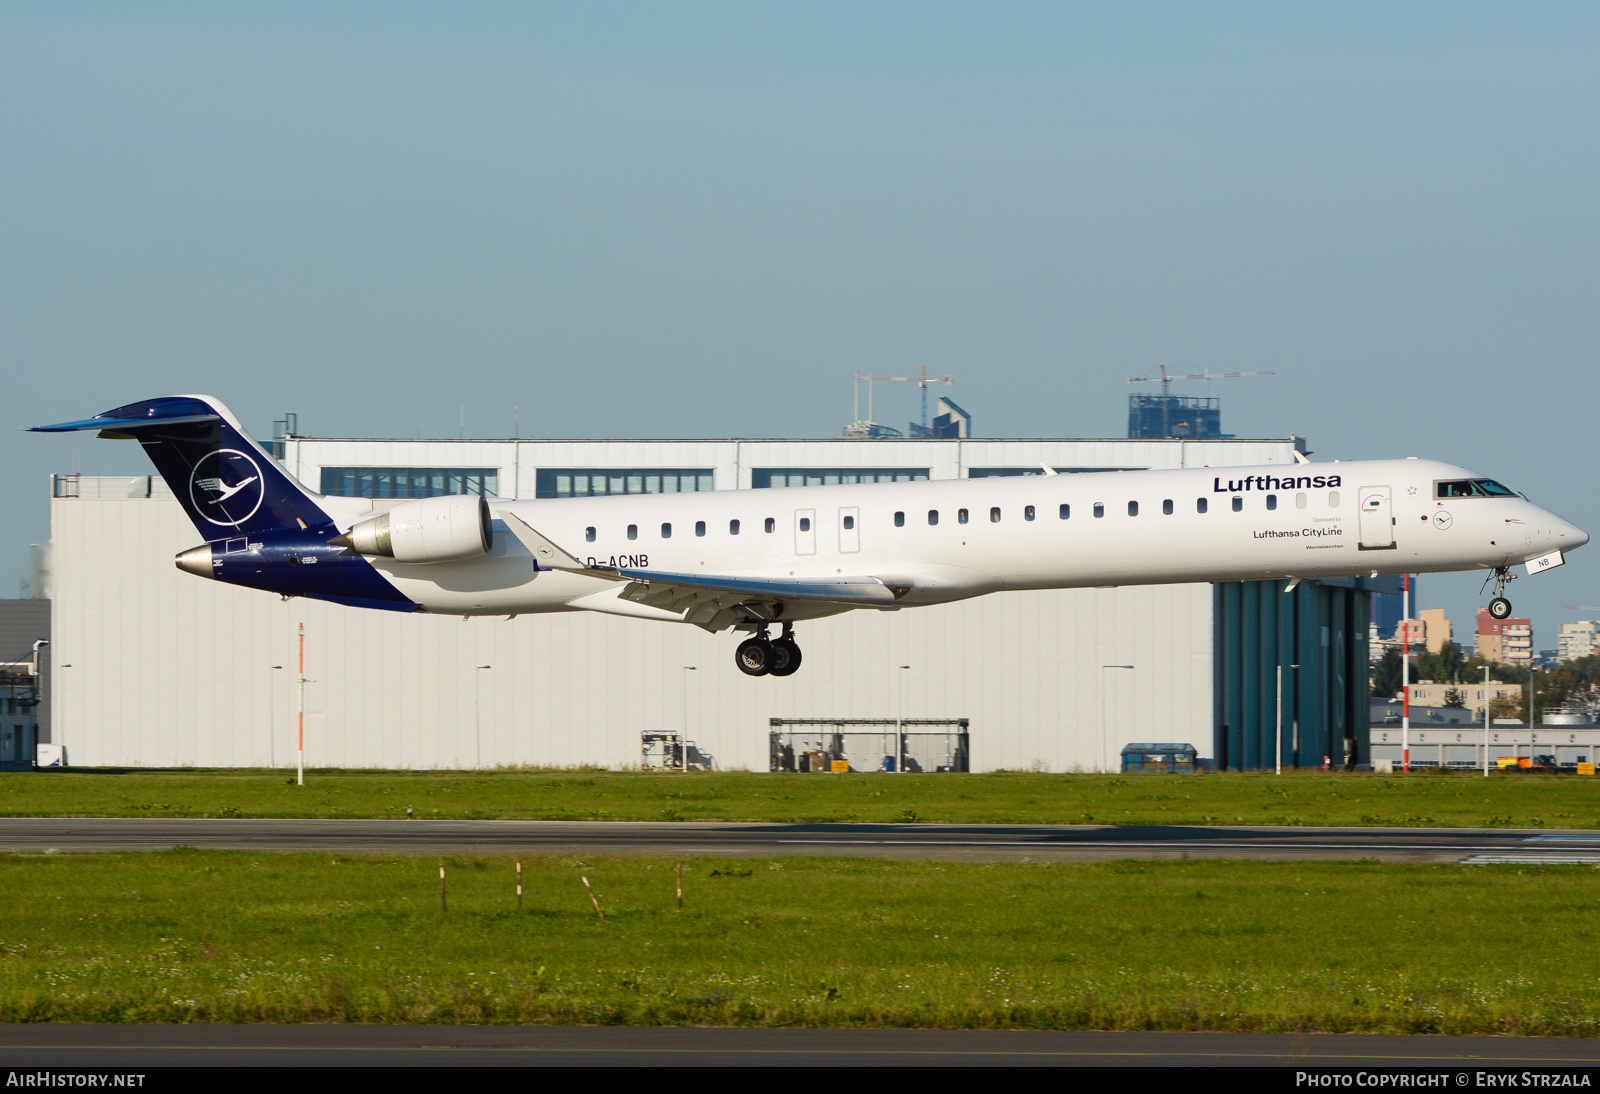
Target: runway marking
(1532, 860)
(1289, 1055)
(1563, 837)
(1174, 845)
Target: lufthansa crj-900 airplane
(755, 560)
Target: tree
(1455, 698)
(1442, 666)
(1386, 674)
(1508, 707)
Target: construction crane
(922, 381)
(1166, 380)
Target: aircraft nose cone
(1573, 537)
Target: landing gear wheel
(1500, 607)
(785, 656)
(755, 657)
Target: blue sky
(699, 219)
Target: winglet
(547, 554)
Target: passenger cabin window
(633, 531)
(1201, 505)
(771, 524)
(805, 524)
(1099, 510)
(699, 527)
(994, 515)
(1299, 501)
(1027, 512)
(1133, 508)
(666, 531)
(899, 520)
(733, 527)
(961, 516)
(1166, 507)
(933, 516)
(588, 533)
(1333, 499)
(1066, 510)
(1238, 505)
(1272, 501)
(849, 523)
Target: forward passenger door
(1377, 519)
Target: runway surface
(954, 842)
(130, 1047)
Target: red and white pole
(1405, 673)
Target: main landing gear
(1500, 607)
(763, 656)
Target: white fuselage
(954, 539)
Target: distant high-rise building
(1505, 641)
(1156, 417)
(1575, 640)
(1437, 628)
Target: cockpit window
(1474, 488)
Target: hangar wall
(161, 669)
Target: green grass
(1311, 798)
(228, 936)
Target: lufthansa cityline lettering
(1273, 482)
(1273, 533)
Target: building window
(899, 520)
(1036, 469)
(1272, 501)
(933, 516)
(772, 525)
(1201, 505)
(1099, 510)
(733, 527)
(699, 527)
(588, 534)
(805, 524)
(849, 523)
(1133, 508)
(1066, 511)
(764, 477)
(1238, 505)
(1299, 501)
(593, 482)
(961, 516)
(1027, 512)
(633, 531)
(409, 482)
(994, 515)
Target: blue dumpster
(1177, 758)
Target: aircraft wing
(713, 601)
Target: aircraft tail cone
(196, 561)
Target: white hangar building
(155, 668)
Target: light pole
(300, 731)
(1278, 766)
(683, 742)
(900, 726)
(1105, 762)
(1405, 673)
(1486, 721)
(1530, 716)
(477, 715)
(272, 719)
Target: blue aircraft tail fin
(224, 480)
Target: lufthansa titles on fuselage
(1273, 482)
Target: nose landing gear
(1500, 607)
(763, 656)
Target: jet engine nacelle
(445, 529)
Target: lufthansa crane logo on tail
(225, 487)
